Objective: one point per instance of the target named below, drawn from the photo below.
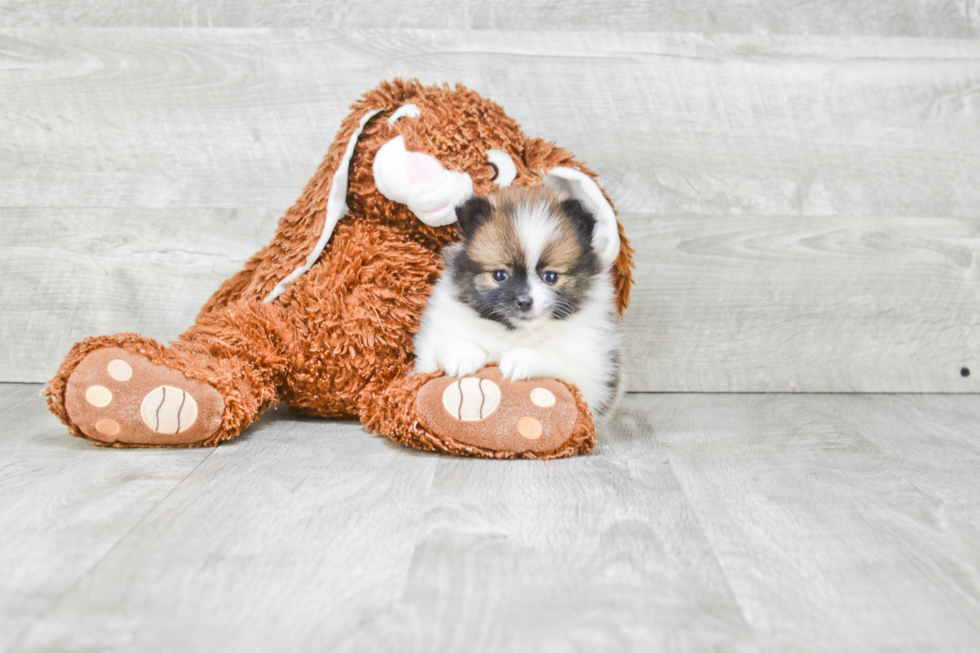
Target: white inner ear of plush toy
(336, 208)
(579, 185)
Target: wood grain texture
(743, 522)
(599, 553)
(311, 535)
(833, 517)
(64, 505)
(674, 123)
(785, 192)
(804, 304)
(110, 271)
(931, 18)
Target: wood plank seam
(70, 588)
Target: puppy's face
(526, 256)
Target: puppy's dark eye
(499, 276)
(496, 171)
(550, 278)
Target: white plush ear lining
(336, 208)
(579, 185)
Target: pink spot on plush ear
(422, 167)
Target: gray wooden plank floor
(733, 522)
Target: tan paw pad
(543, 398)
(107, 427)
(471, 399)
(118, 397)
(496, 414)
(529, 428)
(120, 370)
(99, 396)
(168, 410)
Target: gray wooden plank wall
(915, 18)
(802, 183)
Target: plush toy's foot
(539, 418)
(117, 397)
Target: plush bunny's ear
(605, 237)
(336, 207)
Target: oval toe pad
(487, 411)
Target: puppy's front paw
(520, 364)
(462, 359)
(425, 364)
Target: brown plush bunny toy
(323, 317)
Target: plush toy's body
(323, 318)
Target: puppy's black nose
(524, 302)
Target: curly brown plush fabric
(338, 341)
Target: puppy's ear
(451, 255)
(471, 214)
(581, 218)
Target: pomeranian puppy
(525, 289)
